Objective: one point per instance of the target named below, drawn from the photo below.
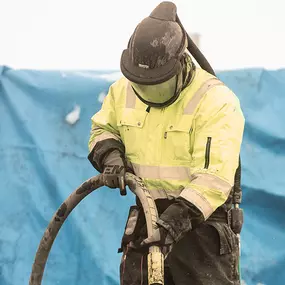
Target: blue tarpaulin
(43, 159)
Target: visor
(158, 93)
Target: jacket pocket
(132, 118)
(177, 139)
(131, 125)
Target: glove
(172, 225)
(114, 171)
(160, 236)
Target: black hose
(136, 186)
(55, 224)
(196, 53)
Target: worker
(180, 130)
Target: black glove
(114, 171)
(174, 223)
(160, 236)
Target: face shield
(158, 94)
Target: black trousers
(208, 255)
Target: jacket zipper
(207, 153)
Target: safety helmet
(154, 59)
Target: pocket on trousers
(228, 240)
(131, 226)
(229, 245)
(134, 226)
(177, 137)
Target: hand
(160, 236)
(174, 222)
(114, 171)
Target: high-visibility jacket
(190, 148)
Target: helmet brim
(147, 76)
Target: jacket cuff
(101, 150)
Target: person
(180, 130)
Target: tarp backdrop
(43, 159)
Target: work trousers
(207, 255)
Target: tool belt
(135, 228)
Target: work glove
(114, 171)
(172, 225)
(160, 236)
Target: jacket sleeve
(215, 147)
(104, 135)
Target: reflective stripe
(131, 96)
(193, 103)
(197, 199)
(103, 136)
(211, 181)
(162, 172)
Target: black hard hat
(155, 49)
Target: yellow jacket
(190, 148)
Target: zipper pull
(165, 135)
